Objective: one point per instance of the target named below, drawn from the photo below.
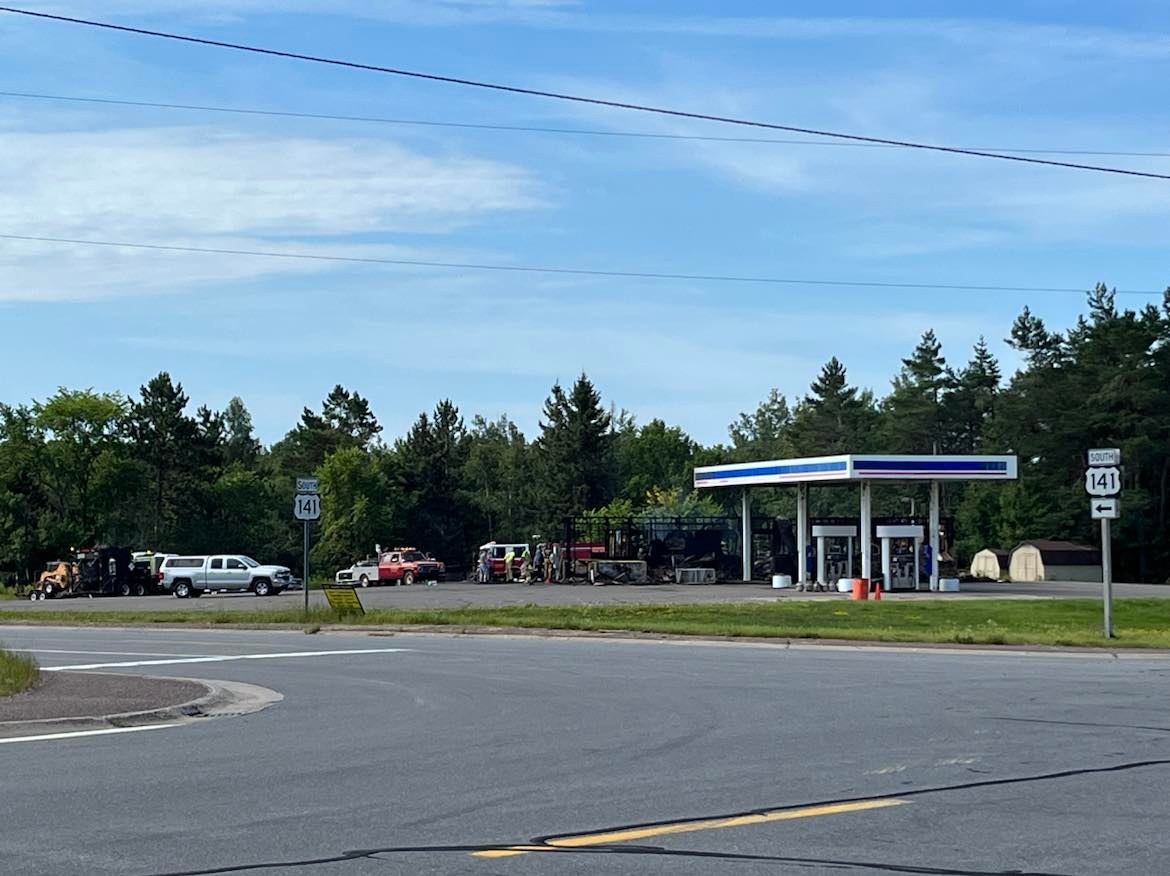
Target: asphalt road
(458, 594)
(830, 760)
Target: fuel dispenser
(834, 552)
(901, 549)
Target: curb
(223, 699)
(756, 641)
(627, 635)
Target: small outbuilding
(1048, 560)
(990, 563)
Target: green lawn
(17, 673)
(1141, 623)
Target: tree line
(85, 467)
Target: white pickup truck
(188, 576)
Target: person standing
(509, 559)
(538, 562)
(557, 559)
(485, 567)
(526, 566)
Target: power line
(593, 101)
(544, 269)
(532, 129)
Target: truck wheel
(124, 588)
(139, 589)
(34, 596)
(48, 591)
(408, 578)
(364, 580)
(262, 587)
(182, 590)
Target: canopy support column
(747, 535)
(866, 532)
(934, 536)
(801, 534)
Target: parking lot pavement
(467, 594)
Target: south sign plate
(1103, 481)
(1105, 456)
(308, 485)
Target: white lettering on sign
(308, 485)
(1103, 481)
(1105, 456)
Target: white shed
(990, 563)
(1046, 560)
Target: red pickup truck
(406, 565)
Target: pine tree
(913, 412)
(575, 450)
(834, 417)
(166, 440)
(241, 445)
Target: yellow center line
(637, 833)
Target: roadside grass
(8, 591)
(1140, 623)
(17, 673)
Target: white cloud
(200, 187)
(999, 34)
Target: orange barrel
(860, 588)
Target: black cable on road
(574, 98)
(530, 129)
(582, 272)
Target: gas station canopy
(857, 468)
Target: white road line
(221, 659)
(74, 734)
(111, 653)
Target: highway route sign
(1103, 481)
(343, 600)
(307, 506)
(1105, 509)
(308, 485)
(1105, 456)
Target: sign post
(1103, 483)
(307, 507)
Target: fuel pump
(900, 555)
(834, 544)
(904, 564)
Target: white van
(496, 553)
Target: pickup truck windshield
(413, 556)
(249, 562)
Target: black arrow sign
(1104, 507)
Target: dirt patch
(91, 694)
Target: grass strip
(1140, 623)
(17, 673)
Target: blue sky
(279, 334)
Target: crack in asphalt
(543, 845)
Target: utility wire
(593, 101)
(532, 129)
(544, 269)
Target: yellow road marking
(637, 833)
